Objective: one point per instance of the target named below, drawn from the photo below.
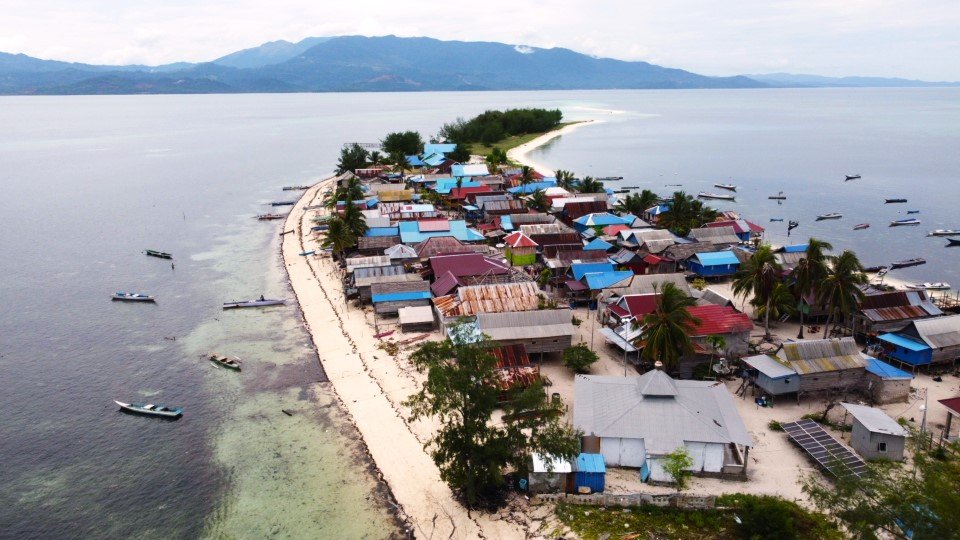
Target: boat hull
(123, 298)
(905, 264)
(135, 408)
(716, 196)
(158, 254)
(252, 304)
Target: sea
(89, 182)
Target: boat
(308, 253)
(861, 226)
(938, 286)
(133, 297)
(776, 219)
(883, 271)
(900, 222)
(944, 232)
(892, 201)
(262, 302)
(913, 211)
(831, 215)
(852, 177)
(265, 217)
(225, 361)
(874, 269)
(908, 262)
(291, 203)
(716, 196)
(731, 187)
(295, 188)
(610, 178)
(160, 254)
(152, 409)
(953, 242)
(778, 197)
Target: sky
(892, 38)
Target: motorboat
(883, 271)
(913, 211)
(262, 302)
(225, 361)
(730, 187)
(938, 286)
(291, 203)
(901, 222)
(892, 201)
(944, 232)
(265, 217)
(953, 242)
(717, 196)
(295, 188)
(831, 215)
(610, 178)
(308, 253)
(151, 409)
(160, 254)
(852, 177)
(133, 297)
(861, 226)
(873, 269)
(908, 262)
(778, 197)
(776, 219)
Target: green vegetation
(840, 289)
(408, 143)
(677, 465)
(352, 157)
(637, 203)
(494, 126)
(759, 276)
(665, 330)
(686, 213)
(809, 273)
(538, 201)
(765, 516)
(579, 358)
(462, 391)
(774, 425)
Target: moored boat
(730, 187)
(151, 409)
(295, 188)
(262, 302)
(874, 269)
(861, 226)
(944, 232)
(133, 297)
(265, 217)
(908, 262)
(283, 203)
(901, 222)
(160, 254)
(891, 201)
(852, 177)
(776, 219)
(717, 196)
(778, 197)
(610, 178)
(953, 242)
(938, 286)
(913, 211)
(225, 361)
(831, 215)
(308, 253)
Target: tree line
(494, 126)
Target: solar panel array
(836, 458)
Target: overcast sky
(908, 38)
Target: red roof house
(460, 194)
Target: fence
(673, 500)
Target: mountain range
(377, 64)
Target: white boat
(938, 286)
(944, 232)
(717, 196)
(731, 187)
(151, 409)
(261, 302)
(778, 197)
(901, 222)
(831, 215)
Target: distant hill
(356, 63)
(795, 80)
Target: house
(709, 296)
(492, 298)
(772, 376)
(401, 253)
(925, 341)
(353, 263)
(469, 170)
(656, 240)
(874, 434)
(713, 264)
(501, 207)
(548, 474)
(723, 321)
(541, 331)
(953, 410)
(599, 220)
(463, 193)
(825, 365)
(718, 236)
(526, 189)
(891, 312)
(440, 245)
(575, 209)
(885, 383)
(514, 370)
(637, 421)
(590, 473)
(745, 230)
(648, 284)
(374, 245)
(451, 271)
(388, 298)
(364, 278)
(416, 319)
(414, 232)
(445, 185)
(520, 249)
(598, 244)
(629, 308)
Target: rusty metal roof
(492, 298)
(823, 355)
(897, 306)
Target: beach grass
(513, 141)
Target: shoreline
(370, 385)
(520, 153)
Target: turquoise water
(89, 182)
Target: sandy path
(519, 153)
(370, 386)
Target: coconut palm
(759, 277)
(399, 161)
(564, 179)
(355, 220)
(637, 203)
(840, 290)
(666, 331)
(339, 236)
(590, 185)
(526, 175)
(376, 158)
(781, 302)
(809, 274)
(349, 192)
(538, 201)
(686, 213)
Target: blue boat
(150, 409)
(133, 297)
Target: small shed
(416, 319)
(875, 435)
(549, 474)
(520, 250)
(388, 298)
(885, 383)
(772, 376)
(590, 473)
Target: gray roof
(875, 420)
(365, 262)
(939, 332)
(646, 284)
(715, 235)
(711, 296)
(415, 314)
(699, 411)
(769, 366)
(400, 251)
(526, 324)
(379, 221)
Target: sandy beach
(520, 153)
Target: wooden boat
(295, 188)
(908, 262)
(944, 232)
(938, 286)
(852, 177)
(831, 215)
(308, 253)
(265, 217)
(778, 197)
(776, 219)
(716, 196)
(262, 302)
(861, 226)
(874, 269)
(225, 361)
(730, 187)
(953, 242)
(133, 297)
(901, 222)
(283, 203)
(892, 201)
(151, 409)
(913, 211)
(610, 178)
(883, 271)
(160, 254)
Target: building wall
(737, 344)
(620, 452)
(882, 391)
(545, 482)
(945, 355)
(713, 270)
(846, 379)
(914, 358)
(780, 386)
(866, 443)
(541, 345)
(521, 256)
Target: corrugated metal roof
(602, 280)
(530, 219)
(716, 258)
(875, 420)
(492, 298)
(769, 366)
(445, 283)
(395, 196)
(439, 245)
(719, 320)
(939, 332)
(904, 341)
(598, 244)
(639, 305)
(591, 463)
(400, 251)
(898, 305)
(400, 296)
(885, 370)
(415, 315)
(433, 225)
(715, 235)
(581, 269)
(546, 464)
(531, 229)
(642, 284)
(518, 239)
(578, 209)
(951, 403)
(376, 242)
(823, 355)
(600, 219)
(470, 170)
(713, 297)
(468, 264)
(739, 226)
(364, 262)
(526, 324)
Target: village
(791, 363)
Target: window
(881, 447)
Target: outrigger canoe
(160, 254)
(253, 303)
(225, 361)
(151, 409)
(133, 297)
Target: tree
(352, 157)
(408, 143)
(461, 391)
(339, 237)
(460, 154)
(579, 358)
(538, 201)
(781, 302)
(894, 498)
(496, 157)
(526, 175)
(354, 219)
(677, 464)
(564, 179)
(637, 203)
(399, 161)
(758, 277)
(590, 185)
(376, 158)
(840, 289)
(809, 274)
(544, 278)
(666, 331)
(351, 191)
(717, 345)
(686, 213)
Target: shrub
(774, 425)
(579, 358)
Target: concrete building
(874, 434)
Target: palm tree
(686, 213)
(339, 237)
(840, 289)
(781, 302)
(590, 185)
(538, 200)
(376, 157)
(809, 274)
(759, 276)
(399, 161)
(666, 331)
(526, 175)
(350, 192)
(637, 203)
(354, 219)
(564, 179)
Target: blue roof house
(533, 186)
(713, 264)
(591, 472)
(906, 350)
(438, 148)
(598, 244)
(600, 219)
(446, 185)
(410, 232)
(470, 169)
(597, 281)
(578, 270)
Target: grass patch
(511, 142)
